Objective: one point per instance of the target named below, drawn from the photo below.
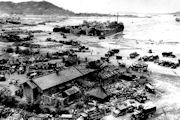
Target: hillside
(33, 8)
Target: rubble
(11, 37)
(123, 109)
(59, 84)
(144, 112)
(106, 73)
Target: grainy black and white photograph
(90, 60)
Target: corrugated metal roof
(53, 79)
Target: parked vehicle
(115, 50)
(119, 57)
(102, 37)
(133, 55)
(141, 98)
(144, 113)
(2, 77)
(150, 88)
(168, 54)
(123, 109)
(150, 51)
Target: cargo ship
(92, 28)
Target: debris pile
(144, 112)
(15, 38)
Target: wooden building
(55, 82)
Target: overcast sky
(114, 6)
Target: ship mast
(117, 16)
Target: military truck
(149, 88)
(2, 77)
(133, 55)
(122, 110)
(144, 112)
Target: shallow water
(156, 28)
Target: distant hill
(176, 13)
(33, 8)
(92, 14)
(106, 15)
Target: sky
(114, 6)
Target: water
(162, 27)
(156, 28)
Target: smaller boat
(177, 19)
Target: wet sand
(166, 80)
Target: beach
(158, 33)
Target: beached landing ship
(92, 28)
(13, 20)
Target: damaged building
(56, 86)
